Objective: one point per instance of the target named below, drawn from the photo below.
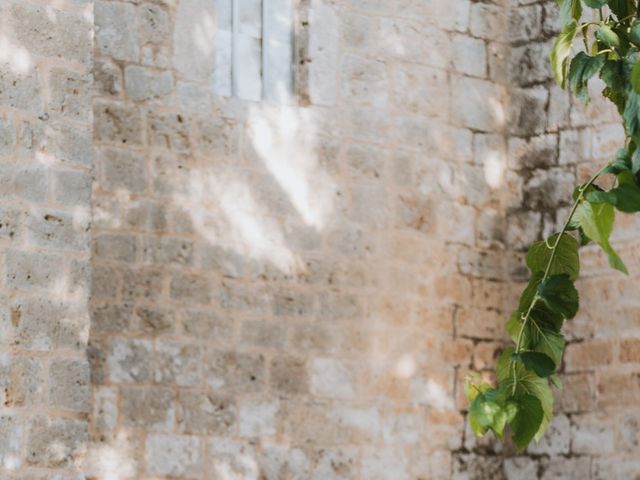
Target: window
(255, 53)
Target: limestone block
(116, 30)
(525, 23)
(144, 84)
(470, 56)
(533, 152)
(130, 361)
(332, 378)
(70, 442)
(72, 187)
(107, 79)
(194, 56)
(121, 247)
(422, 90)
(169, 131)
(206, 413)
(177, 363)
(51, 32)
(288, 375)
(117, 123)
(235, 372)
(555, 441)
(69, 94)
(258, 417)
(590, 434)
(323, 53)
(69, 386)
(477, 104)
(174, 455)
(487, 20)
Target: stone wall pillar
(46, 162)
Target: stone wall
(290, 291)
(46, 161)
(282, 291)
(556, 142)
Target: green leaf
(631, 116)
(555, 381)
(566, 259)
(526, 383)
(602, 197)
(628, 197)
(560, 295)
(530, 291)
(635, 77)
(621, 163)
(570, 10)
(527, 421)
(607, 36)
(560, 52)
(634, 34)
(582, 68)
(596, 220)
(488, 410)
(536, 361)
(635, 162)
(613, 74)
(474, 385)
(595, 3)
(622, 8)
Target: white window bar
(235, 53)
(266, 30)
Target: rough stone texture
(46, 162)
(291, 291)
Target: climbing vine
(609, 44)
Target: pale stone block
(323, 53)
(487, 20)
(144, 84)
(258, 417)
(174, 455)
(284, 462)
(606, 140)
(194, 56)
(232, 459)
(590, 434)
(478, 104)
(32, 270)
(207, 413)
(130, 361)
(11, 448)
(54, 33)
(422, 90)
(116, 30)
(520, 468)
(336, 464)
(469, 56)
(388, 463)
(364, 80)
(69, 445)
(331, 378)
(575, 146)
(69, 386)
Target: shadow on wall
(225, 212)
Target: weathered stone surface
(279, 292)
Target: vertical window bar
(265, 48)
(235, 54)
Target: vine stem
(554, 249)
